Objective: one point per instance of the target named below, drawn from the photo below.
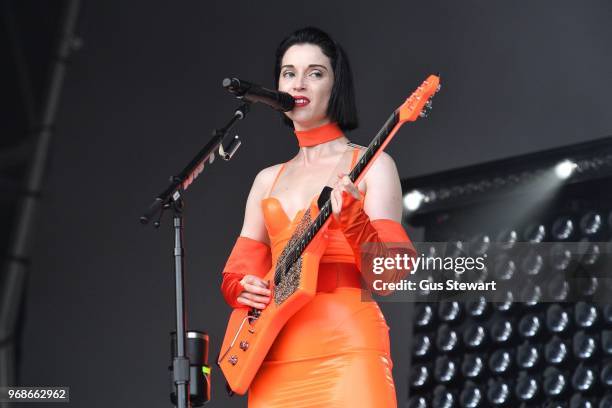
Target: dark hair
(342, 107)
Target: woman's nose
(298, 83)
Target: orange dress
(334, 352)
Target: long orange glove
(378, 234)
(248, 257)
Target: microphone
(280, 101)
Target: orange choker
(318, 135)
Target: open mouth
(301, 101)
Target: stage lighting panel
(545, 343)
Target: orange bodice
(280, 227)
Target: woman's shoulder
(383, 168)
(264, 179)
(383, 164)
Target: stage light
(532, 263)
(471, 397)
(558, 288)
(555, 382)
(557, 319)
(607, 313)
(444, 369)
(584, 345)
(535, 233)
(591, 223)
(584, 378)
(504, 268)
(477, 308)
(474, 336)
(606, 342)
(424, 315)
(563, 228)
(526, 387)
(501, 331)
(413, 200)
(419, 376)
(564, 169)
(449, 311)
(479, 245)
(422, 345)
(527, 356)
(529, 326)
(442, 398)
(585, 315)
(532, 294)
(499, 362)
(505, 305)
(555, 351)
(417, 402)
(472, 366)
(446, 340)
(507, 238)
(498, 392)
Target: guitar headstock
(419, 103)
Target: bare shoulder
(383, 167)
(265, 177)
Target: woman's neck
(320, 141)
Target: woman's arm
(253, 226)
(384, 190)
(374, 220)
(251, 257)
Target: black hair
(342, 107)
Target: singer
(334, 352)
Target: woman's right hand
(256, 293)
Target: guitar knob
(244, 345)
(233, 360)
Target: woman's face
(307, 75)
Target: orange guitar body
(247, 339)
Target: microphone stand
(171, 198)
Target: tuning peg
(428, 104)
(439, 87)
(424, 113)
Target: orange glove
(250, 257)
(377, 234)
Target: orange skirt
(334, 352)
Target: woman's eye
(287, 74)
(316, 74)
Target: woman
(335, 350)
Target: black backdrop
(144, 92)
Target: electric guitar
(250, 332)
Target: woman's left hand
(343, 184)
